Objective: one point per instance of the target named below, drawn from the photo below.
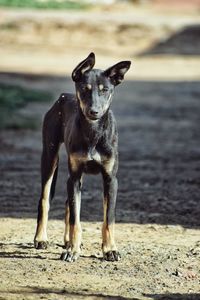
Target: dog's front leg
(109, 248)
(73, 206)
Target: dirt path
(158, 225)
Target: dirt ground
(158, 210)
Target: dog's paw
(69, 256)
(41, 245)
(112, 255)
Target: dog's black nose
(93, 112)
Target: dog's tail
(53, 184)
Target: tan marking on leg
(76, 159)
(108, 233)
(75, 236)
(74, 163)
(41, 232)
(109, 164)
(66, 235)
(75, 231)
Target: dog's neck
(92, 131)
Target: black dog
(87, 126)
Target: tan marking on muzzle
(80, 101)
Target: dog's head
(94, 88)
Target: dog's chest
(93, 155)
(89, 161)
(93, 162)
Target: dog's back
(59, 116)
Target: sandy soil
(158, 208)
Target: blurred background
(49, 37)
(157, 107)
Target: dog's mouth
(93, 115)
(92, 118)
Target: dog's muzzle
(93, 114)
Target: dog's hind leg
(49, 166)
(67, 225)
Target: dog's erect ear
(86, 65)
(116, 73)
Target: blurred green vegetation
(12, 98)
(44, 4)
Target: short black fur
(87, 127)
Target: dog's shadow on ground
(28, 251)
(23, 251)
(80, 294)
